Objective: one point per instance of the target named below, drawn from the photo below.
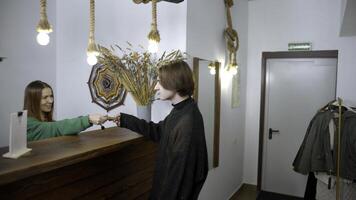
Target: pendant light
(153, 36)
(232, 40)
(43, 27)
(92, 51)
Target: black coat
(315, 154)
(182, 161)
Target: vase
(144, 112)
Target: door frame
(279, 55)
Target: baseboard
(244, 186)
(236, 191)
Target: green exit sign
(300, 46)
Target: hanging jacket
(315, 151)
(348, 146)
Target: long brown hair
(177, 76)
(32, 101)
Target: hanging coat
(348, 146)
(315, 152)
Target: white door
(296, 89)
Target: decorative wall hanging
(105, 88)
(43, 27)
(235, 93)
(92, 51)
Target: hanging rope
(43, 10)
(43, 25)
(228, 5)
(92, 20)
(141, 1)
(154, 14)
(231, 35)
(92, 46)
(154, 34)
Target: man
(182, 163)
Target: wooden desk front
(111, 164)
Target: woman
(182, 164)
(39, 103)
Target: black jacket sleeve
(148, 129)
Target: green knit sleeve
(37, 130)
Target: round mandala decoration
(105, 88)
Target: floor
(274, 196)
(249, 192)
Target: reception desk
(114, 163)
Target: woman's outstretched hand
(97, 118)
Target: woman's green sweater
(37, 130)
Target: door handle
(270, 132)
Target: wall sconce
(153, 36)
(43, 28)
(212, 67)
(92, 51)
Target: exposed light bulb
(233, 70)
(153, 46)
(91, 59)
(212, 71)
(42, 38)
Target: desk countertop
(54, 153)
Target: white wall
(116, 23)
(62, 63)
(26, 60)
(348, 16)
(271, 25)
(205, 26)
(195, 26)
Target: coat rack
(339, 101)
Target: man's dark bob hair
(178, 77)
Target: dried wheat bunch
(137, 70)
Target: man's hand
(116, 119)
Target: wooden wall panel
(123, 174)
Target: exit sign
(300, 46)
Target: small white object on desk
(18, 139)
